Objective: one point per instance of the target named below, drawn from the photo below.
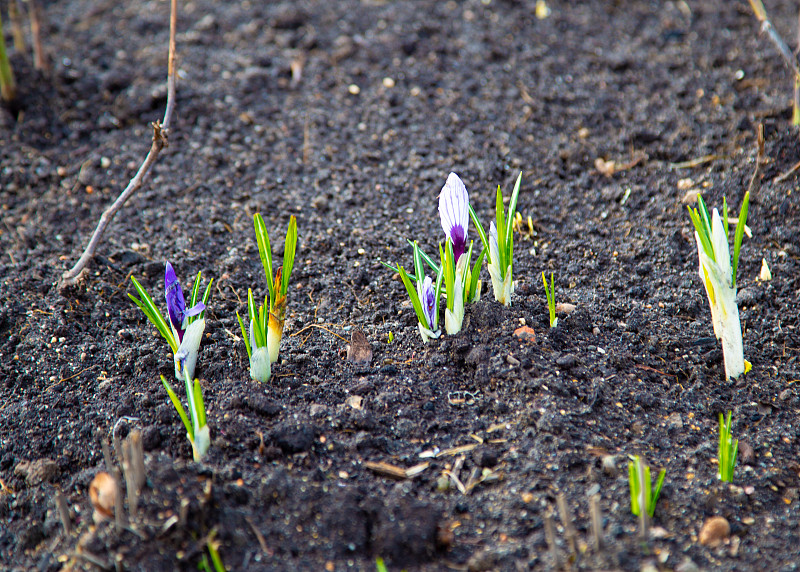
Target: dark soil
(485, 89)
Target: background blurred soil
(349, 115)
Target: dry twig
(160, 140)
(767, 27)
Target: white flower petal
(188, 348)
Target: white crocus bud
(260, 364)
(201, 443)
(187, 351)
(503, 288)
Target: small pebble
(715, 530)
(609, 465)
(353, 89)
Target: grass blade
(244, 335)
(739, 236)
(178, 407)
(289, 253)
(264, 250)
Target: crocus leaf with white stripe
(256, 342)
(499, 243)
(277, 283)
(195, 423)
(424, 297)
(718, 272)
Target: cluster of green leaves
(643, 495)
(419, 276)
(505, 229)
(702, 224)
(259, 318)
(727, 450)
(146, 305)
(277, 284)
(195, 421)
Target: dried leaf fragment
(359, 350)
(103, 494)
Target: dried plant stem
(133, 467)
(755, 180)
(160, 140)
(550, 536)
(39, 61)
(767, 27)
(15, 16)
(566, 519)
(63, 512)
(597, 522)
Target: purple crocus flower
(428, 300)
(176, 305)
(454, 212)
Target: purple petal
(195, 310)
(454, 213)
(428, 301)
(176, 306)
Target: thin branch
(767, 27)
(39, 60)
(755, 180)
(160, 140)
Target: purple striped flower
(176, 305)
(428, 300)
(454, 212)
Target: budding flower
(454, 213)
(188, 334)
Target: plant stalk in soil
(643, 494)
(8, 87)
(551, 299)
(196, 429)
(718, 272)
(257, 346)
(727, 450)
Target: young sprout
(727, 450)
(551, 299)
(456, 277)
(257, 346)
(500, 244)
(424, 297)
(642, 493)
(184, 328)
(8, 87)
(196, 428)
(718, 273)
(279, 284)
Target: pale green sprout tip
(257, 341)
(195, 422)
(643, 494)
(551, 299)
(727, 450)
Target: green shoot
(499, 244)
(146, 305)
(8, 87)
(727, 450)
(418, 295)
(638, 474)
(196, 427)
(380, 566)
(551, 299)
(277, 283)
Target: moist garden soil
(349, 115)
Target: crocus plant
(184, 328)
(257, 346)
(461, 281)
(277, 284)
(718, 273)
(500, 244)
(196, 428)
(424, 297)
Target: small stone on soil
(715, 530)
